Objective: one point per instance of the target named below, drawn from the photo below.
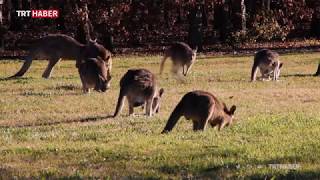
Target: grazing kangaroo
(202, 108)
(268, 63)
(57, 46)
(182, 56)
(94, 74)
(139, 86)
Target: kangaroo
(269, 64)
(57, 46)
(182, 56)
(94, 74)
(139, 86)
(202, 108)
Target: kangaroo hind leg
(26, 65)
(52, 62)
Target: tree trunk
(266, 4)
(318, 71)
(238, 14)
(315, 24)
(1, 17)
(9, 6)
(1, 23)
(243, 15)
(166, 13)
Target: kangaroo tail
(254, 71)
(26, 65)
(174, 117)
(162, 63)
(119, 103)
(318, 71)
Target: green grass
(50, 129)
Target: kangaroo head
(229, 114)
(103, 74)
(157, 100)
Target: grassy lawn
(50, 129)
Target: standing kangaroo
(202, 108)
(57, 46)
(182, 56)
(268, 63)
(139, 86)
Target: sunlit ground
(50, 129)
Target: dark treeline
(132, 23)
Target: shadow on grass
(290, 175)
(6, 173)
(82, 120)
(281, 168)
(298, 75)
(48, 94)
(17, 79)
(68, 87)
(228, 81)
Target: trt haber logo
(52, 13)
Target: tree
(222, 20)
(315, 25)
(197, 20)
(238, 14)
(266, 4)
(84, 30)
(1, 18)
(243, 15)
(1, 27)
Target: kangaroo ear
(161, 91)
(195, 50)
(280, 66)
(92, 41)
(225, 109)
(233, 109)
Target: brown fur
(139, 86)
(181, 55)
(57, 46)
(318, 71)
(268, 63)
(202, 108)
(94, 74)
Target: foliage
(266, 27)
(145, 22)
